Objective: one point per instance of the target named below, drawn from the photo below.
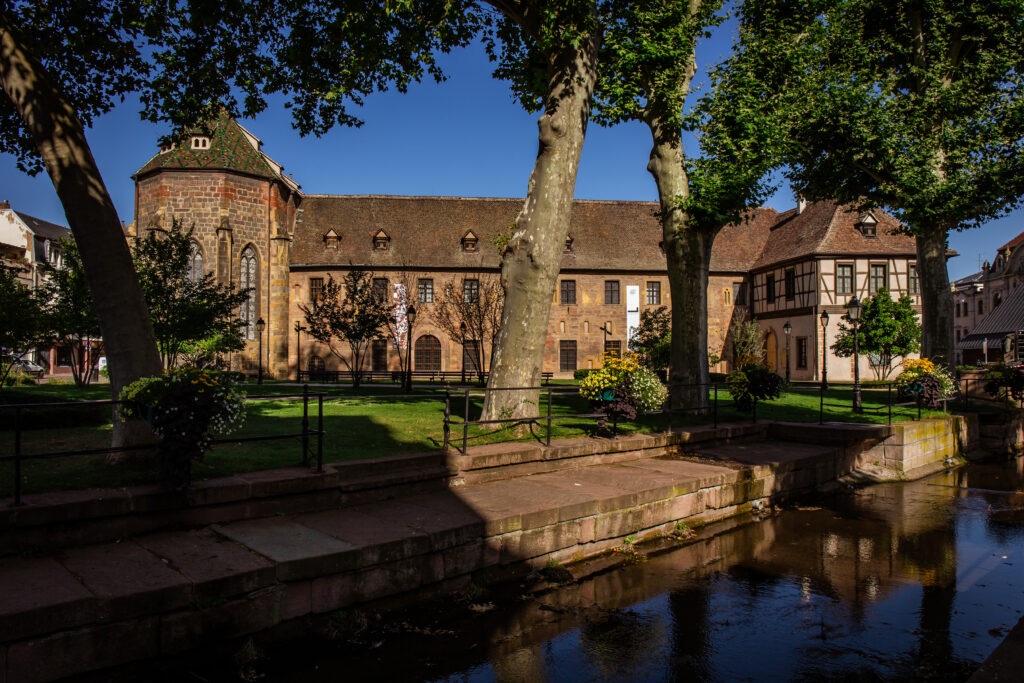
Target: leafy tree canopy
(70, 316)
(20, 319)
(184, 309)
(887, 329)
(653, 338)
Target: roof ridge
(468, 198)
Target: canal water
(893, 582)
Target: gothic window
(200, 142)
(194, 267)
(428, 353)
(249, 280)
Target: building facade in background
(255, 228)
(988, 309)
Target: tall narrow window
(844, 279)
(471, 355)
(194, 269)
(568, 292)
(653, 293)
(470, 291)
(801, 352)
(567, 355)
(380, 288)
(981, 307)
(739, 293)
(249, 279)
(790, 284)
(316, 288)
(611, 291)
(769, 288)
(876, 278)
(915, 280)
(425, 289)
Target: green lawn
(374, 421)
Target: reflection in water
(893, 582)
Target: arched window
(249, 279)
(194, 267)
(428, 353)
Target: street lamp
(299, 329)
(410, 318)
(260, 326)
(853, 311)
(788, 329)
(824, 348)
(462, 328)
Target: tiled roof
(970, 279)
(1014, 243)
(231, 148)
(830, 228)
(1005, 318)
(427, 232)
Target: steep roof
(1004, 319)
(428, 231)
(827, 227)
(231, 148)
(1014, 243)
(44, 229)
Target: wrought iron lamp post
(462, 329)
(788, 329)
(824, 349)
(299, 329)
(853, 311)
(410, 318)
(260, 326)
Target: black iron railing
(304, 434)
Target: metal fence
(304, 433)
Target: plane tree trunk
(936, 297)
(533, 256)
(60, 139)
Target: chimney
(5, 204)
(801, 204)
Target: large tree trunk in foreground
(936, 297)
(688, 252)
(60, 138)
(533, 256)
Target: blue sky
(465, 137)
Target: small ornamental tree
(746, 343)
(887, 329)
(20, 320)
(70, 317)
(652, 339)
(185, 310)
(476, 315)
(349, 312)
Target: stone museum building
(255, 228)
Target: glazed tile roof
(827, 228)
(231, 148)
(427, 232)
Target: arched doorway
(428, 354)
(771, 351)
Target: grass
(373, 421)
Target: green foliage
(21, 319)
(746, 342)
(352, 313)
(70, 317)
(924, 381)
(1002, 379)
(652, 339)
(209, 352)
(888, 329)
(185, 310)
(187, 408)
(752, 383)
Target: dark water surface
(916, 581)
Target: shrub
(1004, 379)
(581, 373)
(752, 383)
(647, 391)
(186, 408)
(924, 381)
(622, 386)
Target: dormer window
(868, 225)
(568, 244)
(200, 142)
(381, 241)
(470, 242)
(331, 239)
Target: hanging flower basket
(187, 408)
